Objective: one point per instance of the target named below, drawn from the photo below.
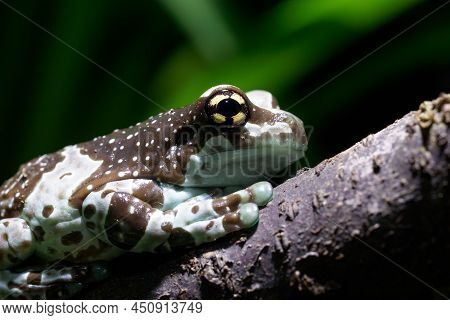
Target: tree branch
(371, 222)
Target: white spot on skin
(135, 158)
(112, 141)
(121, 147)
(121, 174)
(138, 144)
(129, 137)
(120, 161)
(166, 139)
(89, 187)
(135, 174)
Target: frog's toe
(262, 192)
(245, 201)
(248, 215)
(209, 230)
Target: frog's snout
(298, 129)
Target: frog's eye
(228, 108)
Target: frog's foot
(51, 283)
(199, 232)
(195, 210)
(16, 242)
(208, 220)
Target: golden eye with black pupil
(227, 108)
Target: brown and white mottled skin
(147, 188)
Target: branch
(371, 222)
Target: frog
(182, 178)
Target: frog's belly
(58, 227)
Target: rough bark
(371, 222)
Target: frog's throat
(242, 166)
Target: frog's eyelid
(220, 87)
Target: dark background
(373, 61)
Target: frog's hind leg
(126, 222)
(51, 283)
(16, 242)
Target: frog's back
(15, 191)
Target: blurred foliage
(373, 60)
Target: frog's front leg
(202, 221)
(129, 223)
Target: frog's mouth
(261, 152)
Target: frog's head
(229, 137)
